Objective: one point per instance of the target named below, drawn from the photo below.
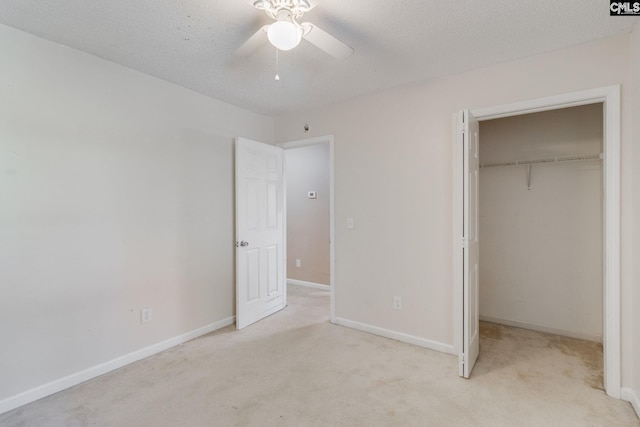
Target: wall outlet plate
(146, 315)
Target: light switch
(350, 224)
(312, 194)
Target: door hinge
(463, 243)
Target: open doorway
(307, 181)
(540, 227)
(540, 222)
(466, 167)
(309, 214)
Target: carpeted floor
(296, 369)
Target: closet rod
(549, 160)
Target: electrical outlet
(146, 315)
(397, 303)
(298, 263)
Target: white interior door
(469, 133)
(260, 256)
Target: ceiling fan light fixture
(285, 35)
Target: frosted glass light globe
(284, 35)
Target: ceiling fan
(286, 33)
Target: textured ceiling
(192, 42)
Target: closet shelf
(528, 163)
(548, 160)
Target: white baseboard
(632, 397)
(524, 325)
(44, 390)
(308, 284)
(399, 336)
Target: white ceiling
(192, 42)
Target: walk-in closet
(541, 221)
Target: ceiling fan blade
(313, 3)
(255, 42)
(327, 42)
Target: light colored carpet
(296, 369)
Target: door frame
(609, 96)
(326, 139)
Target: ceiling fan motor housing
(274, 8)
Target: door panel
(272, 205)
(260, 279)
(252, 204)
(253, 275)
(469, 132)
(272, 270)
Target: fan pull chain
(277, 65)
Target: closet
(541, 221)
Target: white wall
(393, 174)
(634, 298)
(116, 193)
(541, 247)
(307, 169)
